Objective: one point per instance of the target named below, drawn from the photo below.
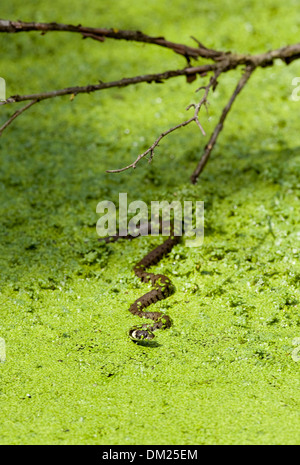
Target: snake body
(162, 288)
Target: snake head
(137, 334)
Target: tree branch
(101, 34)
(222, 62)
(213, 139)
(212, 84)
(16, 114)
(158, 78)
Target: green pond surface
(227, 371)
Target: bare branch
(101, 34)
(16, 114)
(151, 149)
(159, 77)
(212, 84)
(209, 146)
(222, 62)
(287, 54)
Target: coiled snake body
(162, 288)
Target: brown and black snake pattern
(162, 288)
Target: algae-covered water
(227, 372)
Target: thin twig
(16, 114)
(150, 150)
(209, 146)
(212, 84)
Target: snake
(162, 288)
